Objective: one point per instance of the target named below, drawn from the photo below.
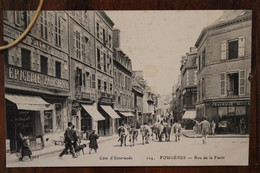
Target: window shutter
(223, 84)
(241, 47)
(242, 82)
(223, 50)
(49, 66)
(74, 43)
(33, 60)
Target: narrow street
(189, 151)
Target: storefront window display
(48, 121)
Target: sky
(155, 41)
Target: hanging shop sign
(26, 76)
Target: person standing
(213, 127)
(68, 141)
(205, 126)
(177, 131)
(93, 141)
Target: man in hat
(68, 135)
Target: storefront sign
(231, 103)
(107, 100)
(26, 76)
(41, 45)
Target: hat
(70, 124)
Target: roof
(228, 17)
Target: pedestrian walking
(19, 141)
(68, 141)
(93, 141)
(25, 149)
(213, 127)
(205, 126)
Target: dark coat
(25, 149)
(68, 135)
(93, 141)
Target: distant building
(123, 95)
(189, 87)
(224, 64)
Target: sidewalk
(51, 149)
(192, 134)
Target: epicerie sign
(36, 78)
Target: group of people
(72, 141)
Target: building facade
(36, 76)
(189, 87)
(224, 64)
(123, 95)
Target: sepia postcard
(128, 88)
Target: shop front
(128, 118)
(91, 119)
(113, 119)
(232, 116)
(25, 116)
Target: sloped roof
(228, 17)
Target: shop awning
(33, 103)
(189, 115)
(110, 111)
(93, 112)
(127, 114)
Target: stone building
(36, 76)
(189, 87)
(224, 64)
(122, 83)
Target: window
(27, 17)
(78, 44)
(48, 121)
(17, 18)
(5, 14)
(84, 79)
(84, 47)
(233, 49)
(59, 122)
(57, 30)
(198, 88)
(203, 88)
(98, 59)
(203, 57)
(58, 69)
(78, 77)
(105, 62)
(44, 29)
(105, 86)
(222, 84)
(104, 36)
(110, 66)
(199, 62)
(93, 79)
(109, 41)
(88, 81)
(44, 65)
(97, 30)
(99, 84)
(26, 59)
(111, 87)
(232, 84)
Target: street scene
(128, 88)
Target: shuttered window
(232, 49)
(93, 80)
(98, 59)
(43, 21)
(224, 50)
(78, 44)
(242, 82)
(222, 84)
(57, 30)
(26, 59)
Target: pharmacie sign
(26, 76)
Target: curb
(217, 136)
(57, 151)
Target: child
(25, 148)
